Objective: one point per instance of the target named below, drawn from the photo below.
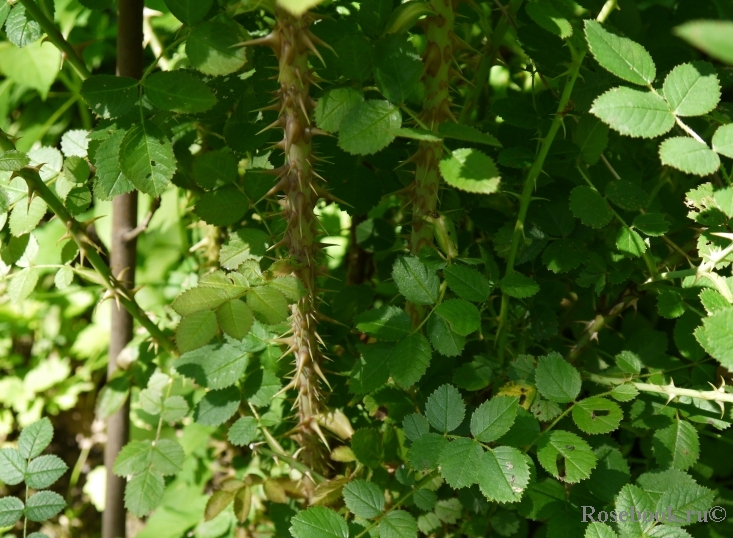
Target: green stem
(55, 36)
(718, 395)
(554, 423)
(295, 464)
(76, 231)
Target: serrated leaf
(676, 445)
(597, 415)
(134, 458)
(174, 408)
(387, 323)
(20, 28)
(290, 286)
(557, 379)
(590, 207)
(23, 284)
(235, 318)
(621, 56)
(75, 143)
(458, 462)
(462, 317)
(364, 499)
(371, 371)
(409, 360)
(144, 492)
(109, 96)
(630, 243)
(35, 438)
(214, 366)
(12, 466)
(196, 330)
(212, 47)
(13, 160)
(397, 67)
(692, 89)
(25, 218)
(146, 158)
(178, 91)
(494, 418)
(109, 179)
(503, 474)
(470, 170)
(425, 451)
(519, 286)
(318, 522)
(223, 206)
(467, 133)
(199, 299)
(624, 393)
(415, 426)
(576, 458)
(333, 107)
(216, 504)
(269, 305)
(599, 530)
(243, 431)
(467, 283)
(563, 255)
(444, 340)
(549, 18)
(652, 224)
(688, 155)
(634, 113)
(591, 136)
(415, 281)
(685, 503)
(44, 471)
(719, 336)
(44, 505)
(633, 496)
(34, 66)
(166, 457)
(112, 397)
(368, 127)
(713, 37)
(626, 195)
(11, 510)
(445, 409)
(189, 12)
(217, 406)
(398, 524)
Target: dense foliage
(441, 268)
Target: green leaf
(13, 160)
(218, 406)
(147, 159)
(235, 318)
(676, 445)
(243, 431)
(458, 462)
(78, 200)
(44, 505)
(387, 323)
(11, 509)
(557, 379)
(215, 169)
(652, 224)
(634, 113)
(723, 140)
(566, 456)
(494, 418)
(409, 360)
(189, 12)
(414, 133)
(75, 143)
(109, 179)
(44, 471)
(367, 446)
(371, 371)
(719, 336)
(599, 530)
(444, 340)
(196, 330)
(178, 91)
(368, 126)
(597, 415)
(627, 195)
(467, 283)
(462, 316)
(144, 492)
(20, 28)
(76, 169)
(23, 284)
(713, 301)
(398, 524)
(269, 305)
(503, 474)
(318, 522)
(415, 281)
(621, 56)
(25, 218)
(354, 57)
(630, 243)
(373, 15)
(167, 457)
(425, 451)
(415, 426)
(134, 458)
(199, 299)
(213, 366)
(629, 362)
(713, 37)
(624, 393)
(546, 16)
(245, 244)
(445, 408)
(212, 47)
(34, 66)
(467, 133)
(629, 496)
(563, 255)
(397, 67)
(12, 466)
(670, 304)
(470, 170)
(688, 155)
(109, 96)
(692, 89)
(591, 136)
(519, 286)
(364, 499)
(174, 409)
(590, 207)
(112, 397)
(35, 438)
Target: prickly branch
(292, 41)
